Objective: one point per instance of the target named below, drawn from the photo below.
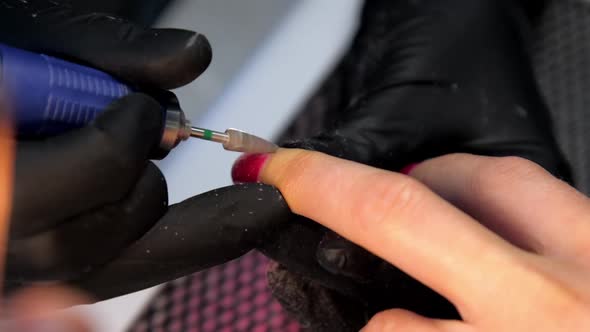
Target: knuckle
(406, 198)
(391, 201)
(380, 322)
(290, 176)
(502, 172)
(390, 320)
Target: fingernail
(247, 168)
(408, 169)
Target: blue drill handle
(48, 96)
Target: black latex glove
(422, 79)
(89, 208)
(141, 11)
(77, 191)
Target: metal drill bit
(235, 140)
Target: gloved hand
(85, 200)
(422, 79)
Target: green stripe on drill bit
(207, 134)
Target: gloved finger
(410, 100)
(79, 244)
(201, 232)
(60, 177)
(342, 257)
(295, 247)
(162, 58)
(382, 129)
(314, 306)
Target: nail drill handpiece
(49, 96)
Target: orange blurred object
(7, 147)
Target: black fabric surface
(561, 56)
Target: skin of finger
(42, 304)
(398, 219)
(553, 286)
(516, 199)
(403, 320)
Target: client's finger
(516, 199)
(395, 217)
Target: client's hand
(501, 238)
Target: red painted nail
(408, 169)
(247, 168)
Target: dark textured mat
(232, 297)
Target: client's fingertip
(286, 165)
(247, 168)
(266, 168)
(302, 176)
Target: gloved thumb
(157, 58)
(86, 168)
